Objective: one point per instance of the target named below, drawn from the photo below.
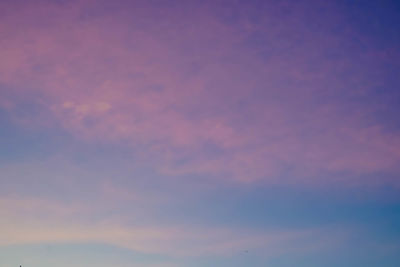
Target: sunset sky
(199, 133)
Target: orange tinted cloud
(21, 227)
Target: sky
(164, 133)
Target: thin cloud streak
(183, 241)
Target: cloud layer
(192, 92)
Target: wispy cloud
(26, 226)
(195, 109)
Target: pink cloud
(192, 92)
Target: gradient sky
(199, 133)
